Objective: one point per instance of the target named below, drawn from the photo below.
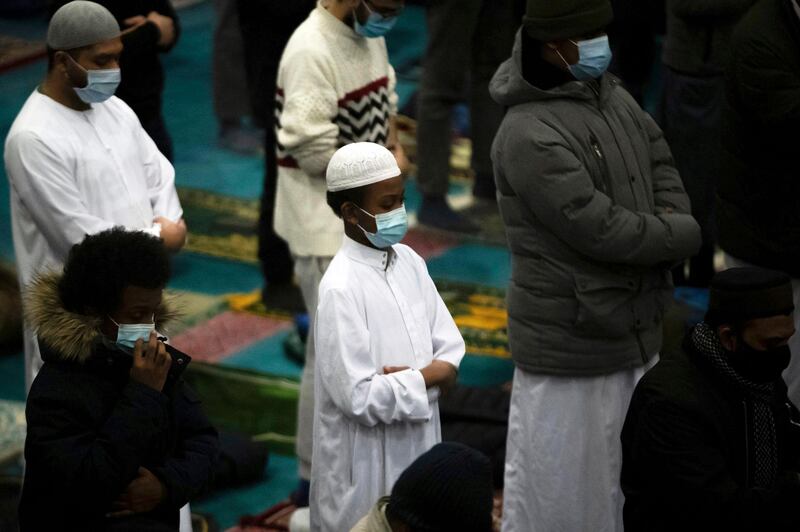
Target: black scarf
(707, 344)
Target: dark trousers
(153, 124)
(690, 116)
(468, 39)
(231, 95)
(266, 26)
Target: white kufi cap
(359, 164)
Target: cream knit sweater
(334, 88)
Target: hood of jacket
(71, 336)
(509, 88)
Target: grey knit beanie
(79, 24)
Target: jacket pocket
(605, 304)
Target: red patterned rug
(226, 334)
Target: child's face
(380, 197)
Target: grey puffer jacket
(595, 215)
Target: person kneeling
(711, 440)
(116, 440)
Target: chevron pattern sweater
(334, 87)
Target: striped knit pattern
(363, 117)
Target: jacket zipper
(605, 187)
(614, 135)
(746, 447)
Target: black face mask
(759, 366)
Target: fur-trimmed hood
(70, 335)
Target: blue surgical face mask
(594, 58)
(376, 25)
(391, 227)
(128, 333)
(100, 84)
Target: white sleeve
(160, 175)
(448, 345)
(307, 129)
(45, 184)
(348, 373)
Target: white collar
(377, 258)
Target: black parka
(90, 428)
(759, 186)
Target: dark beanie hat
(447, 488)
(741, 294)
(550, 20)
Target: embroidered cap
(359, 164)
(79, 24)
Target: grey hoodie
(595, 215)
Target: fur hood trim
(69, 334)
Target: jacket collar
(71, 337)
(377, 258)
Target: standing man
(266, 26)
(595, 215)
(696, 50)
(759, 189)
(77, 159)
(335, 87)
(150, 29)
(467, 42)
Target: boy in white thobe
(385, 345)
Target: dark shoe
(241, 140)
(436, 213)
(286, 297)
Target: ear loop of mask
(558, 51)
(152, 319)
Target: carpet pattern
(479, 311)
(12, 430)
(226, 334)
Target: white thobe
(563, 451)
(376, 308)
(75, 173)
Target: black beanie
(742, 294)
(447, 488)
(551, 20)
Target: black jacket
(759, 188)
(699, 32)
(688, 454)
(90, 427)
(142, 73)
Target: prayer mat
(12, 430)
(220, 226)
(251, 402)
(226, 334)
(192, 308)
(479, 311)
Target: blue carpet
(227, 507)
(267, 356)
